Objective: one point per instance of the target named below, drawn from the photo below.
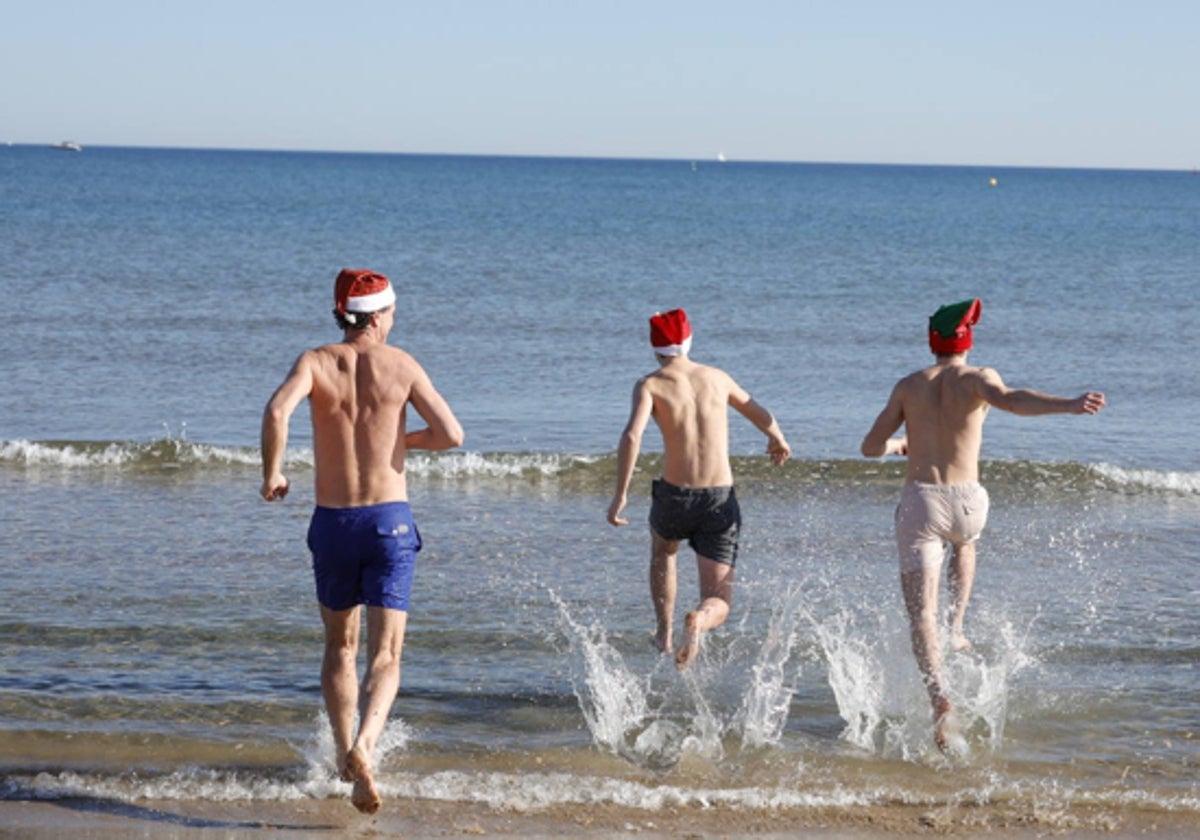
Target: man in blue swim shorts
(942, 408)
(694, 499)
(362, 536)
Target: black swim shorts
(707, 517)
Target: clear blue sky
(1103, 84)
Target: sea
(159, 635)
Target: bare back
(691, 407)
(358, 399)
(943, 415)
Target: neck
(367, 335)
(952, 358)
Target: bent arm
(777, 446)
(283, 402)
(442, 429)
(627, 450)
(879, 442)
(1029, 403)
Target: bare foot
(946, 733)
(691, 643)
(364, 795)
(959, 642)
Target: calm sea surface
(158, 630)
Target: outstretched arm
(276, 415)
(777, 446)
(442, 429)
(879, 442)
(1027, 402)
(628, 448)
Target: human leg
(385, 643)
(920, 590)
(339, 676)
(716, 594)
(961, 576)
(663, 554)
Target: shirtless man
(362, 535)
(942, 408)
(694, 499)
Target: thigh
(919, 529)
(385, 630)
(716, 579)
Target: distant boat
(68, 146)
(720, 157)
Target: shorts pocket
(405, 534)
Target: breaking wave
(587, 472)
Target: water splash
(772, 682)
(612, 698)
(879, 693)
(741, 686)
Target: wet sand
(103, 819)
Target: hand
(778, 451)
(275, 487)
(1089, 403)
(614, 511)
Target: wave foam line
(1177, 482)
(531, 792)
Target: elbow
(451, 436)
(274, 416)
(869, 449)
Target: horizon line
(711, 160)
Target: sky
(1018, 83)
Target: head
(670, 334)
(950, 327)
(358, 295)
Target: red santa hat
(670, 333)
(361, 290)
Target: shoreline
(101, 818)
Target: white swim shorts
(931, 515)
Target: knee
(385, 660)
(341, 649)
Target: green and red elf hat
(950, 327)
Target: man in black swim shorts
(694, 499)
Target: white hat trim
(372, 303)
(680, 349)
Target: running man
(694, 498)
(942, 408)
(362, 536)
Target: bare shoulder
(916, 380)
(714, 376)
(981, 376)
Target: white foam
(491, 465)
(1178, 482)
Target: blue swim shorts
(364, 555)
(707, 517)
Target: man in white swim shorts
(942, 408)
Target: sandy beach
(102, 819)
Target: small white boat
(68, 146)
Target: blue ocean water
(150, 599)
